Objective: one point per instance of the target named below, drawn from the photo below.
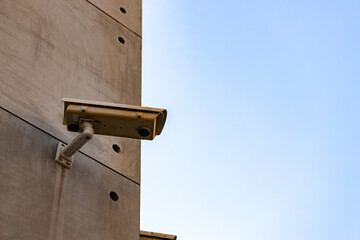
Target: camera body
(114, 119)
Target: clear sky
(262, 139)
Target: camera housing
(114, 119)
(91, 117)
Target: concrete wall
(51, 49)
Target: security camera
(121, 120)
(114, 119)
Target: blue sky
(262, 136)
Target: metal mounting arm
(65, 155)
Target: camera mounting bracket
(65, 154)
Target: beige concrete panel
(42, 200)
(126, 12)
(53, 49)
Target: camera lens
(144, 132)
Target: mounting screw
(68, 162)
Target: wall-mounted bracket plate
(65, 162)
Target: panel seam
(113, 18)
(22, 119)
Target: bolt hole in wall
(121, 40)
(113, 196)
(123, 10)
(116, 148)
